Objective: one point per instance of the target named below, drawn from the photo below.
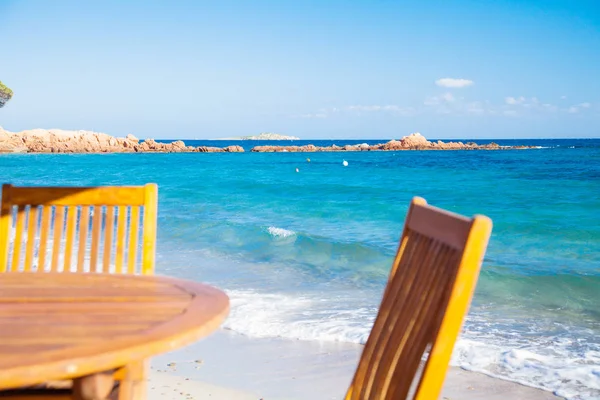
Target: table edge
(177, 332)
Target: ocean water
(305, 255)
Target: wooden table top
(63, 325)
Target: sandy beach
(230, 366)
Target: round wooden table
(57, 326)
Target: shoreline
(231, 366)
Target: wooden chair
(79, 229)
(427, 296)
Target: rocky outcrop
(151, 146)
(61, 141)
(207, 149)
(234, 149)
(228, 149)
(414, 141)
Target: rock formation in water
(414, 141)
(5, 94)
(61, 141)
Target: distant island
(263, 136)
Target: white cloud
(577, 107)
(534, 105)
(475, 107)
(391, 108)
(447, 103)
(448, 98)
(563, 97)
(444, 110)
(512, 106)
(364, 108)
(441, 99)
(454, 83)
(514, 100)
(315, 115)
(387, 108)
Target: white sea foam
(302, 317)
(280, 232)
(555, 367)
(554, 364)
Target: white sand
(164, 386)
(229, 366)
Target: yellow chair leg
(93, 387)
(133, 384)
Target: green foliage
(5, 94)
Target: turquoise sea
(305, 255)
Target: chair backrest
(427, 296)
(78, 229)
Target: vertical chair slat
(44, 232)
(59, 219)
(32, 223)
(397, 382)
(404, 329)
(109, 225)
(121, 230)
(133, 239)
(149, 228)
(5, 226)
(70, 238)
(84, 222)
(427, 310)
(96, 227)
(18, 238)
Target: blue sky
(314, 69)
